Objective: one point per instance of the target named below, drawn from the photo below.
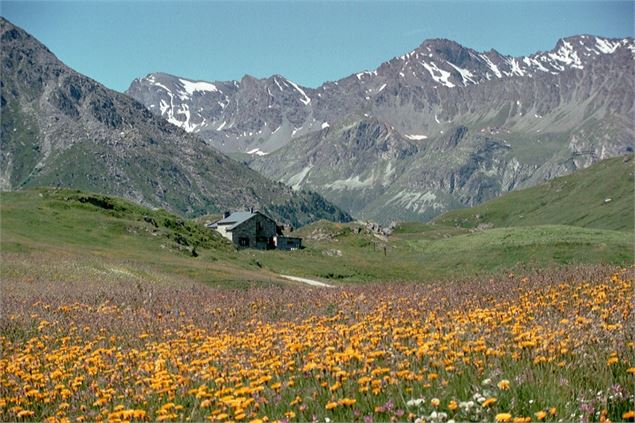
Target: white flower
(327, 420)
(415, 402)
(486, 381)
(466, 405)
(419, 420)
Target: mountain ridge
(492, 63)
(481, 123)
(60, 128)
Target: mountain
(599, 197)
(441, 127)
(60, 128)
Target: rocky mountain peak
(61, 128)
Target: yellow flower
(552, 411)
(488, 402)
(503, 385)
(629, 415)
(631, 370)
(347, 402)
(503, 417)
(25, 413)
(452, 405)
(435, 402)
(331, 405)
(540, 415)
(612, 360)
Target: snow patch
(491, 65)
(257, 152)
(466, 75)
(605, 46)
(515, 67)
(325, 125)
(306, 100)
(439, 75)
(567, 55)
(416, 137)
(190, 86)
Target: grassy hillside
(65, 234)
(600, 196)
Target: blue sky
(307, 41)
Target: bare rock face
(443, 126)
(60, 128)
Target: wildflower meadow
(546, 346)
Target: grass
(565, 221)
(57, 228)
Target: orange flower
(503, 385)
(488, 402)
(503, 417)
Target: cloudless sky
(309, 42)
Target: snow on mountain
(232, 115)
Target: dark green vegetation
(563, 222)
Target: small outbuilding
(288, 242)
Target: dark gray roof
(236, 217)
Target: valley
(466, 221)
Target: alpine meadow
(446, 237)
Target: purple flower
(368, 419)
(587, 408)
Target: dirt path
(307, 281)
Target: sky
(309, 42)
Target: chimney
(251, 210)
(226, 215)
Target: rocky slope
(60, 128)
(443, 126)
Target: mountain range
(63, 129)
(441, 127)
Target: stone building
(248, 229)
